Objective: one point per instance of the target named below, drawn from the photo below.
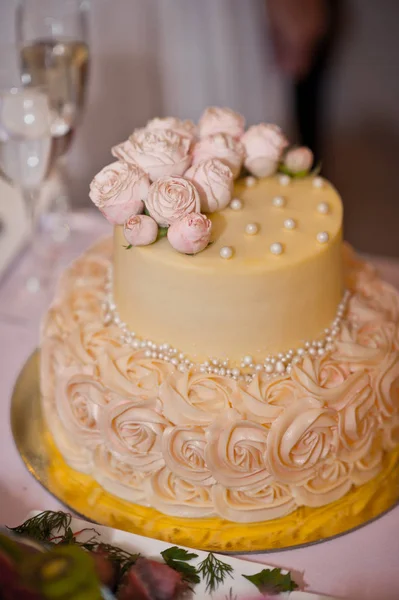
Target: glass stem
(31, 198)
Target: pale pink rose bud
(264, 145)
(140, 230)
(183, 128)
(221, 120)
(170, 198)
(214, 182)
(160, 152)
(299, 160)
(190, 234)
(118, 190)
(222, 146)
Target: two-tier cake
(225, 358)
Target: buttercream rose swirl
(330, 482)
(264, 399)
(269, 501)
(300, 439)
(184, 452)
(135, 433)
(385, 381)
(80, 401)
(195, 399)
(175, 496)
(118, 477)
(235, 451)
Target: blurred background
(327, 72)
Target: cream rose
(385, 381)
(190, 234)
(118, 190)
(134, 432)
(221, 120)
(184, 128)
(264, 145)
(369, 466)
(299, 441)
(195, 399)
(161, 152)
(330, 482)
(80, 401)
(174, 496)
(170, 198)
(131, 374)
(140, 230)
(236, 450)
(214, 182)
(325, 379)
(88, 341)
(222, 146)
(298, 160)
(123, 152)
(183, 448)
(118, 477)
(268, 501)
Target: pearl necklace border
(273, 366)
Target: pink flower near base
(140, 230)
(118, 190)
(299, 159)
(170, 198)
(214, 182)
(221, 120)
(222, 146)
(190, 234)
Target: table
(362, 565)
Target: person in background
(302, 34)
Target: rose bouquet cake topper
(170, 174)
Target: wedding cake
(225, 357)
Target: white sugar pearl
(284, 179)
(276, 248)
(147, 353)
(323, 208)
(280, 367)
(226, 252)
(289, 224)
(250, 181)
(251, 229)
(235, 372)
(279, 201)
(318, 182)
(247, 360)
(236, 204)
(269, 368)
(322, 237)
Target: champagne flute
(52, 36)
(25, 152)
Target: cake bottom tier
(293, 458)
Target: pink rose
(118, 190)
(264, 145)
(214, 182)
(123, 152)
(190, 234)
(160, 152)
(184, 128)
(222, 146)
(298, 160)
(170, 198)
(140, 230)
(221, 120)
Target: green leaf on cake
(177, 558)
(162, 232)
(128, 247)
(272, 581)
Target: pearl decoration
(251, 229)
(272, 366)
(289, 224)
(279, 201)
(250, 181)
(236, 204)
(318, 182)
(284, 179)
(226, 252)
(322, 237)
(276, 248)
(323, 208)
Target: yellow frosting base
(305, 525)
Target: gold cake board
(84, 496)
